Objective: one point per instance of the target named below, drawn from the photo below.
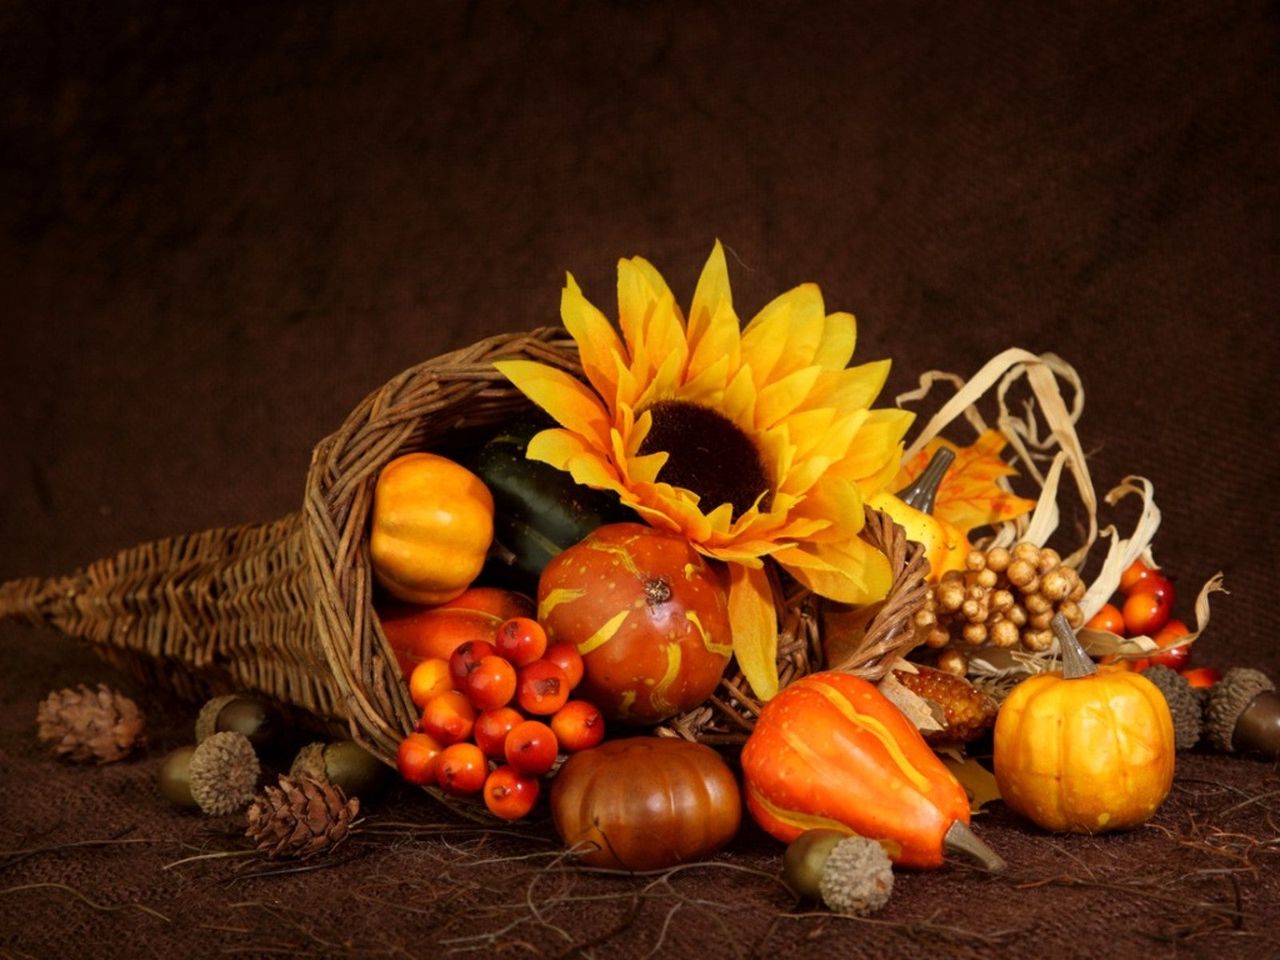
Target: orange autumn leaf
(969, 495)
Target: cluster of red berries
(1144, 608)
(496, 716)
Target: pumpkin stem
(960, 839)
(924, 491)
(1075, 662)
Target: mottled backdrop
(225, 224)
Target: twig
(82, 897)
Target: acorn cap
(223, 773)
(857, 878)
(1184, 705)
(207, 718)
(1228, 699)
(806, 856)
(309, 763)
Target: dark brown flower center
(707, 454)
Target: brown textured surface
(221, 230)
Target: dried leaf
(971, 494)
(914, 707)
(978, 782)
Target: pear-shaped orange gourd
(830, 751)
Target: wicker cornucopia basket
(286, 608)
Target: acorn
(254, 717)
(1243, 713)
(851, 874)
(1184, 705)
(174, 779)
(343, 764)
(223, 773)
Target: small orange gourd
(432, 526)
(1084, 751)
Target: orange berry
(566, 657)
(532, 747)
(1178, 657)
(492, 727)
(543, 688)
(449, 717)
(461, 769)
(416, 758)
(521, 640)
(1147, 609)
(578, 725)
(509, 794)
(466, 658)
(492, 683)
(1135, 575)
(429, 678)
(1109, 618)
(1201, 677)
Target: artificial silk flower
(753, 443)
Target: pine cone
(300, 818)
(87, 725)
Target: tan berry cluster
(1003, 598)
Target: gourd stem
(924, 491)
(1075, 662)
(960, 839)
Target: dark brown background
(223, 225)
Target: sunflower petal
(739, 403)
(849, 572)
(785, 335)
(837, 500)
(783, 396)
(597, 341)
(570, 403)
(850, 389)
(755, 628)
(557, 447)
(707, 385)
(877, 443)
(839, 336)
(714, 327)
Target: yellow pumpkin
(432, 526)
(1082, 751)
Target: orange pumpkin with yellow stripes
(648, 615)
(830, 751)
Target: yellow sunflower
(752, 442)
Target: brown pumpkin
(645, 803)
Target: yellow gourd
(432, 526)
(945, 545)
(1083, 751)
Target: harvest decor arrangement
(651, 576)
